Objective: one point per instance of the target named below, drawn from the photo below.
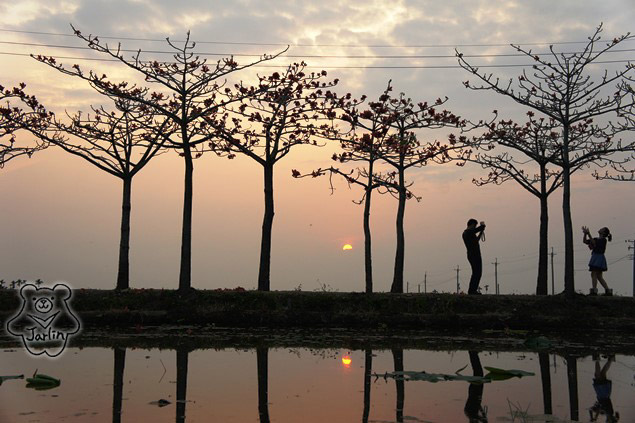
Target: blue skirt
(598, 263)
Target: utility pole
(458, 285)
(425, 283)
(407, 286)
(553, 284)
(496, 276)
(632, 247)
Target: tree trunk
(397, 356)
(263, 383)
(123, 273)
(569, 284)
(368, 263)
(264, 283)
(546, 382)
(368, 368)
(397, 282)
(185, 274)
(572, 377)
(117, 390)
(542, 286)
(181, 383)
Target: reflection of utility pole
(458, 286)
(553, 285)
(496, 276)
(632, 247)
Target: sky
(60, 216)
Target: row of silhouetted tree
(574, 119)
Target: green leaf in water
(42, 382)
(503, 374)
(432, 377)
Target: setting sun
(346, 361)
(347, 247)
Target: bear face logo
(45, 320)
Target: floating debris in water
(161, 403)
(494, 374)
(3, 378)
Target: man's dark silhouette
(471, 236)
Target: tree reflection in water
(545, 376)
(117, 390)
(262, 358)
(572, 377)
(181, 383)
(368, 368)
(397, 356)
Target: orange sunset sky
(60, 216)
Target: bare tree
(121, 143)
(385, 132)
(24, 111)
(369, 181)
(535, 142)
(402, 150)
(361, 144)
(283, 111)
(561, 88)
(189, 92)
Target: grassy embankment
(230, 319)
(433, 312)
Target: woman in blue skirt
(597, 264)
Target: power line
(519, 270)
(306, 45)
(327, 66)
(620, 259)
(319, 56)
(529, 257)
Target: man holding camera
(471, 237)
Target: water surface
(309, 385)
